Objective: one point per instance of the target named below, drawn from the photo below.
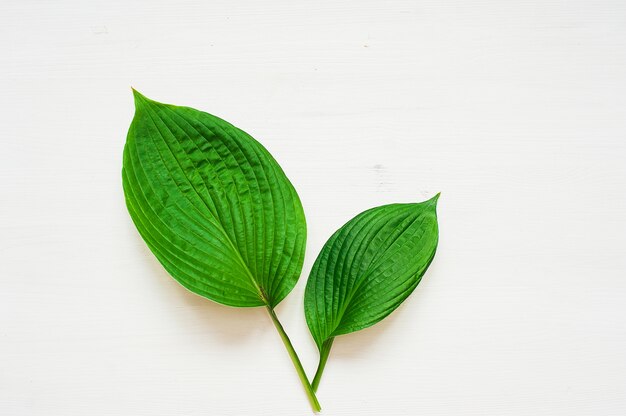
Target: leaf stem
(323, 358)
(296, 361)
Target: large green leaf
(367, 269)
(213, 205)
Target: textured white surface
(514, 110)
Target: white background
(514, 110)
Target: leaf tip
(431, 204)
(139, 97)
(434, 199)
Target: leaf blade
(369, 267)
(213, 205)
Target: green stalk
(323, 358)
(296, 361)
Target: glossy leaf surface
(369, 267)
(213, 205)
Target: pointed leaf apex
(433, 201)
(139, 97)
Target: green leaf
(215, 209)
(367, 269)
(213, 205)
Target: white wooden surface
(514, 110)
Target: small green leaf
(213, 205)
(367, 269)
